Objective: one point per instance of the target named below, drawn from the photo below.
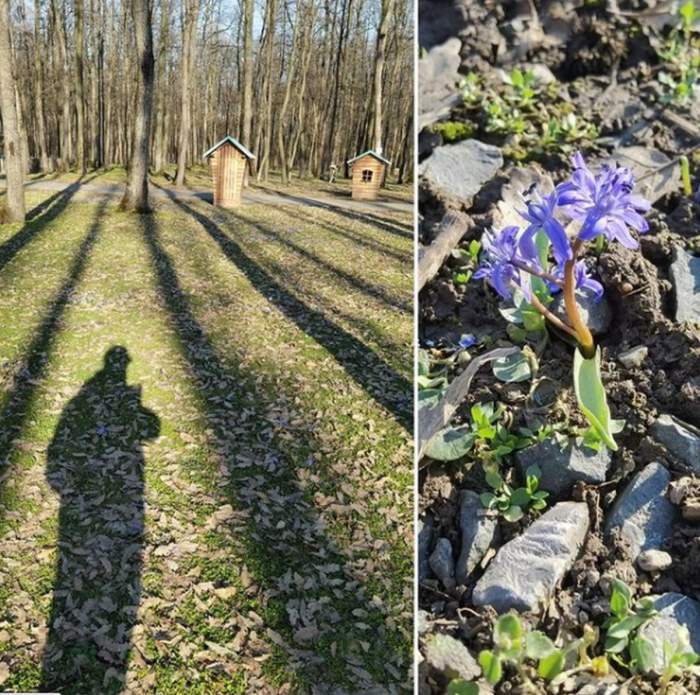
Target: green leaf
(491, 666)
(591, 396)
(493, 478)
(462, 687)
(516, 78)
(450, 443)
(488, 499)
(624, 627)
(520, 497)
(427, 398)
(533, 471)
(508, 627)
(425, 382)
(538, 645)
(551, 666)
(642, 654)
(620, 598)
(423, 363)
(513, 513)
(514, 368)
(615, 645)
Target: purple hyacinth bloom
(604, 203)
(540, 215)
(582, 278)
(501, 250)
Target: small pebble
(654, 561)
(678, 489)
(634, 356)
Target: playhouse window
(367, 175)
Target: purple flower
(583, 280)
(540, 215)
(498, 268)
(467, 340)
(604, 203)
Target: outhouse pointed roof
(231, 141)
(374, 154)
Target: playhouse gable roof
(232, 141)
(372, 153)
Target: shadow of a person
(96, 464)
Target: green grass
(274, 349)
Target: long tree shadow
(32, 365)
(96, 463)
(379, 380)
(37, 219)
(391, 227)
(285, 541)
(355, 238)
(362, 285)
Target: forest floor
(205, 452)
(110, 183)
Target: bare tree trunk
(44, 160)
(247, 108)
(136, 195)
(66, 146)
(81, 154)
(159, 146)
(10, 121)
(382, 32)
(189, 27)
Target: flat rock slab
(438, 77)
(681, 440)
(443, 564)
(425, 538)
(655, 175)
(597, 315)
(685, 276)
(457, 172)
(478, 531)
(527, 570)
(451, 658)
(643, 514)
(674, 610)
(563, 468)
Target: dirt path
(113, 191)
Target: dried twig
(433, 420)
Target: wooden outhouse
(368, 172)
(228, 164)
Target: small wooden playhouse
(368, 173)
(228, 164)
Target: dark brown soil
(607, 71)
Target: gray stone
(442, 563)
(655, 173)
(674, 610)
(654, 561)
(561, 469)
(527, 570)
(596, 315)
(681, 440)
(438, 77)
(634, 357)
(478, 531)
(451, 658)
(643, 514)
(459, 171)
(685, 276)
(425, 537)
(422, 621)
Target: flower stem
(553, 318)
(583, 335)
(538, 273)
